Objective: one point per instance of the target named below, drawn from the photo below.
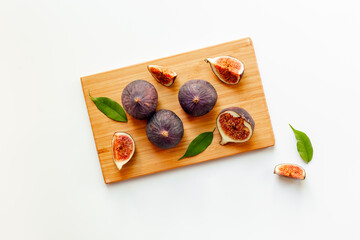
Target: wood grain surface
(149, 159)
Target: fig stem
(196, 100)
(120, 166)
(223, 142)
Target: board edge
(245, 40)
(92, 129)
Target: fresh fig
(163, 75)
(235, 125)
(140, 99)
(228, 69)
(123, 148)
(290, 170)
(197, 97)
(165, 129)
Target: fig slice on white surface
(290, 170)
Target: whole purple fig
(140, 99)
(165, 129)
(197, 97)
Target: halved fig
(123, 148)
(235, 125)
(290, 170)
(163, 75)
(228, 69)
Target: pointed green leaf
(110, 108)
(304, 145)
(199, 144)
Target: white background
(50, 178)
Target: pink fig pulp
(123, 148)
(163, 75)
(227, 69)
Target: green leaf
(303, 144)
(110, 108)
(199, 144)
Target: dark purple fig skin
(201, 90)
(147, 97)
(243, 113)
(165, 120)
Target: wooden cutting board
(148, 158)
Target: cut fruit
(163, 75)
(228, 69)
(123, 148)
(235, 125)
(290, 171)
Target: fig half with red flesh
(228, 69)
(163, 75)
(235, 124)
(123, 148)
(290, 171)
